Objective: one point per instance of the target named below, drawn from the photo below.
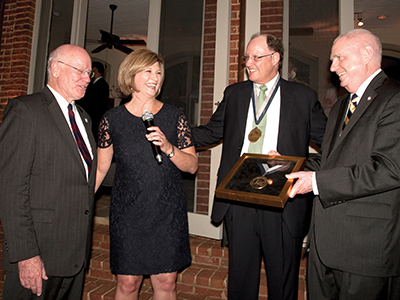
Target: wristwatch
(171, 155)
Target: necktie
(261, 96)
(257, 146)
(352, 108)
(79, 139)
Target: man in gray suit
(355, 233)
(47, 185)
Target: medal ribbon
(257, 121)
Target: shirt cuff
(314, 184)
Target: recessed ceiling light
(382, 17)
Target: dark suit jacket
(357, 213)
(46, 202)
(95, 102)
(301, 120)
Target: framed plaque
(260, 179)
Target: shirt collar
(365, 84)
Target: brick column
(272, 17)
(15, 52)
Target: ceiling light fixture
(382, 17)
(359, 17)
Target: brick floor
(205, 279)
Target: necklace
(256, 133)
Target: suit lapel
(333, 135)
(366, 100)
(285, 111)
(61, 123)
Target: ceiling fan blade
(105, 36)
(133, 42)
(93, 41)
(99, 48)
(123, 48)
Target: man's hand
(303, 184)
(31, 273)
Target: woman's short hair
(137, 61)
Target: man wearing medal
(265, 114)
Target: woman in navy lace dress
(148, 216)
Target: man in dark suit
(47, 186)
(293, 117)
(355, 235)
(96, 99)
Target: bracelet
(171, 155)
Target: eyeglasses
(256, 58)
(90, 73)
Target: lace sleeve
(185, 139)
(105, 139)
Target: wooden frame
(246, 181)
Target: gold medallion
(260, 182)
(254, 135)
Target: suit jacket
(357, 212)
(46, 201)
(301, 120)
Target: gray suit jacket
(46, 202)
(357, 214)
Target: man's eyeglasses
(90, 73)
(256, 58)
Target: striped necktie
(352, 108)
(79, 139)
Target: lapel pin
(86, 120)
(369, 98)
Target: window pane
(61, 21)
(313, 28)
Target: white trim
(253, 16)
(346, 16)
(285, 39)
(200, 225)
(78, 26)
(222, 50)
(34, 50)
(153, 27)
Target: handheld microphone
(148, 120)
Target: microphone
(148, 120)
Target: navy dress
(148, 213)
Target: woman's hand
(157, 137)
(185, 160)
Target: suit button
(86, 212)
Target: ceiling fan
(110, 40)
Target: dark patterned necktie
(79, 139)
(352, 108)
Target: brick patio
(205, 279)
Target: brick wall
(271, 17)
(15, 52)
